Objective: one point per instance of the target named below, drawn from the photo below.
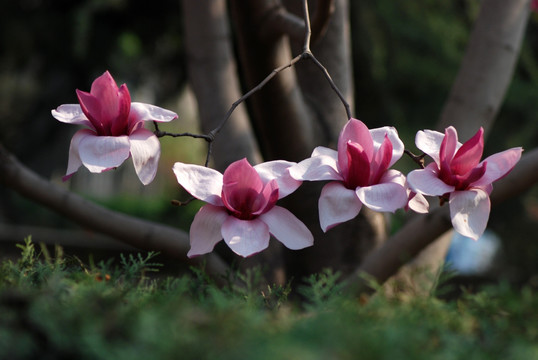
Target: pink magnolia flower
(459, 177)
(534, 5)
(241, 207)
(115, 130)
(360, 170)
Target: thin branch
(258, 87)
(210, 137)
(160, 133)
(418, 159)
(331, 83)
(305, 54)
(308, 29)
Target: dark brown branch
(139, 233)
(331, 83)
(160, 133)
(418, 233)
(418, 159)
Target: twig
(306, 54)
(418, 159)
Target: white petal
(322, 150)
(389, 195)
(469, 211)
(287, 228)
(278, 170)
(426, 182)
(337, 204)
(101, 153)
(71, 114)
(201, 182)
(378, 135)
(321, 167)
(74, 161)
(205, 229)
(429, 141)
(145, 150)
(245, 237)
(418, 203)
(147, 112)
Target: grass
(57, 307)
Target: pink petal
(469, 154)
(145, 150)
(316, 168)
(201, 182)
(91, 107)
(114, 104)
(266, 199)
(469, 211)
(287, 228)
(381, 161)
(240, 185)
(447, 150)
(74, 157)
(426, 181)
(205, 229)
(498, 165)
(146, 112)
(389, 195)
(358, 171)
(357, 132)
(278, 170)
(245, 237)
(71, 114)
(337, 204)
(378, 136)
(101, 153)
(120, 123)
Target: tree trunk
(212, 72)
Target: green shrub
(60, 308)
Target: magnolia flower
(241, 207)
(459, 177)
(115, 130)
(360, 173)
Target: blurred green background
(405, 55)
